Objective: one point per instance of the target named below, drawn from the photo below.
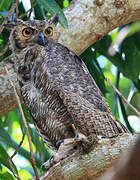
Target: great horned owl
(56, 86)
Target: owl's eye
(27, 32)
(49, 31)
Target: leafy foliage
(100, 65)
(52, 7)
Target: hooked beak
(41, 39)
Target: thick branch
(127, 168)
(88, 21)
(92, 165)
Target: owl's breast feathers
(59, 91)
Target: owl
(58, 90)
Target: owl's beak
(41, 39)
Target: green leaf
(25, 174)
(124, 114)
(5, 138)
(4, 158)
(39, 13)
(135, 101)
(39, 144)
(102, 47)
(53, 8)
(89, 57)
(131, 67)
(4, 5)
(136, 39)
(22, 11)
(4, 135)
(6, 176)
(4, 36)
(133, 28)
(115, 94)
(137, 84)
(26, 114)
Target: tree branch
(88, 22)
(127, 168)
(92, 165)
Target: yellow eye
(49, 31)
(27, 32)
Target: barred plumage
(57, 88)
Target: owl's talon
(76, 137)
(51, 158)
(59, 142)
(103, 137)
(80, 137)
(46, 165)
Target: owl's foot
(66, 148)
(84, 143)
(47, 164)
(103, 137)
(59, 142)
(80, 138)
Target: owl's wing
(80, 94)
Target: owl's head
(29, 33)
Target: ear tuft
(55, 19)
(19, 21)
(10, 25)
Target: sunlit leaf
(133, 28)
(24, 175)
(4, 137)
(65, 3)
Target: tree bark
(92, 165)
(127, 168)
(89, 21)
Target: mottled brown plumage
(56, 86)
